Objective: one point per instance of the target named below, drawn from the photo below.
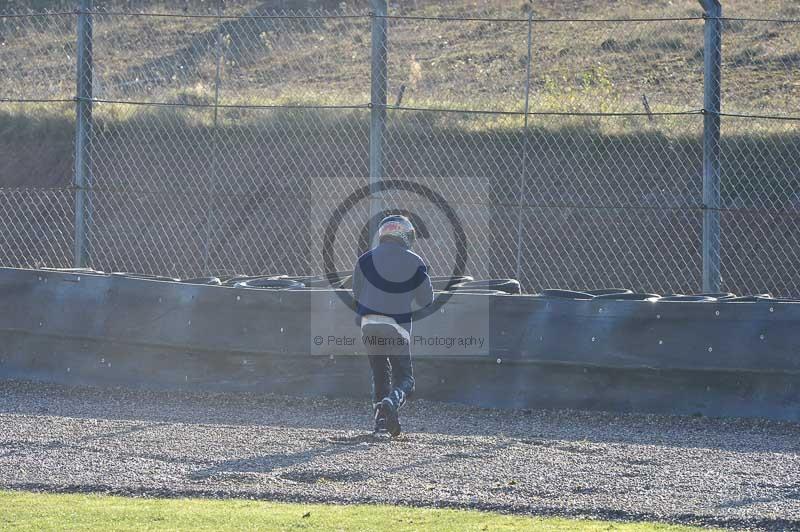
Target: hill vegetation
(624, 190)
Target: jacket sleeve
(358, 286)
(423, 294)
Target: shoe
(389, 412)
(380, 419)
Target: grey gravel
(732, 473)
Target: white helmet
(397, 227)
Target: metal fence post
(210, 221)
(379, 78)
(524, 170)
(712, 54)
(83, 134)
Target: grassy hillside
(585, 66)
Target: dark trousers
(390, 360)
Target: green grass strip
(35, 511)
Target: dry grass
(580, 66)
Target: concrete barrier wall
(739, 359)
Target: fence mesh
(225, 136)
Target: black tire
(687, 299)
(328, 280)
(607, 291)
(74, 270)
(556, 293)
(320, 282)
(146, 276)
(309, 280)
(718, 295)
(634, 296)
(268, 283)
(444, 282)
(749, 299)
(482, 291)
(233, 280)
(331, 280)
(211, 281)
(509, 286)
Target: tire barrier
(749, 299)
(340, 279)
(271, 283)
(509, 286)
(687, 299)
(330, 280)
(445, 282)
(483, 291)
(632, 296)
(565, 294)
(75, 270)
(211, 281)
(719, 296)
(607, 291)
(145, 276)
(620, 351)
(234, 279)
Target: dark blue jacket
(387, 280)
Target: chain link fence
(199, 138)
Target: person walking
(390, 283)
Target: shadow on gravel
(268, 463)
(786, 491)
(570, 431)
(336, 447)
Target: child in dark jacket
(390, 282)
